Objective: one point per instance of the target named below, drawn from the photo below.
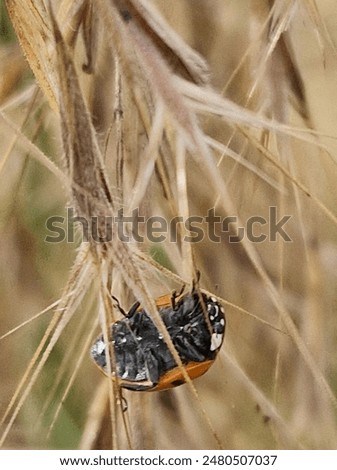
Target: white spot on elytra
(222, 321)
(100, 346)
(216, 341)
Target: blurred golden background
(274, 383)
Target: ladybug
(196, 323)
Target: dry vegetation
(173, 107)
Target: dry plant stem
(83, 158)
(149, 158)
(277, 23)
(281, 288)
(194, 63)
(243, 60)
(31, 23)
(114, 390)
(187, 267)
(117, 123)
(227, 152)
(50, 307)
(12, 144)
(207, 101)
(105, 322)
(320, 26)
(35, 152)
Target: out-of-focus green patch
(66, 432)
(7, 34)
(49, 390)
(34, 205)
(158, 253)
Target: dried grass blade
(35, 152)
(83, 157)
(149, 157)
(30, 320)
(31, 24)
(226, 151)
(191, 60)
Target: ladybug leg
(133, 309)
(123, 403)
(175, 295)
(195, 281)
(118, 305)
(196, 290)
